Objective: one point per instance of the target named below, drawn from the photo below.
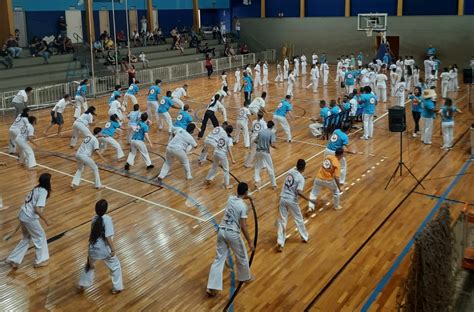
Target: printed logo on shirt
(24, 130)
(137, 128)
(130, 88)
(327, 164)
(334, 138)
(349, 76)
(18, 119)
(162, 102)
(180, 116)
(221, 143)
(257, 127)
(87, 139)
(290, 180)
(152, 91)
(215, 130)
(107, 124)
(372, 101)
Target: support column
(151, 22)
(262, 9)
(400, 7)
(196, 14)
(6, 20)
(460, 7)
(347, 11)
(302, 8)
(90, 20)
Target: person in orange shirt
(328, 177)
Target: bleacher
(30, 71)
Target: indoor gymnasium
(236, 155)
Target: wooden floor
(165, 237)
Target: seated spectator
(205, 49)
(110, 59)
(33, 46)
(244, 49)
(215, 32)
(158, 36)
(184, 33)
(175, 35)
(5, 57)
(109, 44)
(68, 46)
(43, 51)
(195, 41)
(121, 38)
(136, 38)
(98, 49)
(58, 44)
(228, 50)
(104, 36)
(12, 47)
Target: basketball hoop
(368, 32)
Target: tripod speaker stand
(396, 123)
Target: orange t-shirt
(331, 168)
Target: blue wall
(290, 8)
(469, 7)
(211, 17)
(325, 8)
(242, 11)
(170, 18)
(374, 6)
(430, 7)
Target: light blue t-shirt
(360, 57)
(337, 140)
(153, 93)
(134, 118)
(349, 78)
(415, 103)
(325, 112)
(165, 104)
(428, 109)
(110, 128)
(248, 86)
(139, 131)
(133, 89)
(283, 108)
(183, 119)
(113, 95)
(346, 106)
(335, 110)
(368, 102)
(447, 113)
(81, 90)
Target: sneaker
(40, 265)
(338, 208)
(279, 248)
(115, 291)
(414, 134)
(12, 264)
(150, 167)
(364, 138)
(127, 167)
(211, 292)
(250, 280)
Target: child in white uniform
(303, 64)
(291, 83)
(400, 92)
(178, 93)
(314, 78)
(223, 147)
(258, 80)
(237, 83)
(381, 84)
(243, 124)
(20, 121)
(325, 71)
(265, 73)
(27, 134)
(286, 68)
(81, 125)
(279, 77)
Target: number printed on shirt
(87, 139)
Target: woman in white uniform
(101, 247)
(20, 121)
(81, 125)
(116, 108)
(27, 134)
(223, 147)
(243, 124)
(31, 212)
(237, 84)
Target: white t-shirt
(101, 249)
(178, 93)
(21, 97)
(256, 105)
(286, 63)
(315, 73)
(182, 140)
(257, 69)
(380, 81)
(400, 89)
(265, 69)
(258, 125)
(218, 106)
(294, 182)
(115, 108)
(26, 131)
(444, 77)
(325, 67)
(314, 58)
(223, 144)
(36, 198)
(291, 79)
(215, 133)
(224, 80)
(86, 119)
(60, 106)
(237, 75)
(19, 122)
(235, 210)
(88, 146)
(244, 114)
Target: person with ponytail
(211, 114)
(447, 113)
(101, 247)
(31, 212)
(107, 136)
(81, 100)
(81, 125)
(26, 135)
(20, 121)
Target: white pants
(12, 134)
(444, 88)
(316, 128)
(77, 129)
(292, 206)
(237, 86)
(113, 264)
(314, 83)
(325, 77)
(343, 163)
(447, 128)
(382, 93)
(110, 140)
(208, 143)
(227, 239)
(400, 101)
(82, 161)
(219, 160)
(257, 81)
(129, 97)
(152, 111)
(303, 69)
(279, 77)
(178, 102)
(183, 159)
(137, 145)
(27, 155)
(289, 89)
(166, 116)
(244, 126)
(280, 120)
(426, 130)
(264, 160)
(250, 159)
(81, 103)
(349, 88)
(368, 125)
(130, 132)
(265, 78)
(285, 72)
(32, 231)
(317, 185)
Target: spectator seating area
(28, 70)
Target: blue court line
(383, 282)
(446, 199)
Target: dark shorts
(58, 119)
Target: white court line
(117, 191)
(286, 172)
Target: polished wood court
(165, 238)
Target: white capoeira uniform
(286, 68)
(176, 96)
(303, 64)
(116, 108)
(314, 79)
(291, 83)
(339, 72)
(228, 238)
(14, 131)
(257, 105)
(265, 74)
(221, 150)
(393, 82)
(83, 157)
(325, 70)
(258, 80)
(81, 126)
(279, 77)
(314, 59)
(264, 139)
(237, 83)
(381, 84)
(31, 228)
(181, 143)
(294, 182)
(296, 67)
(444, 84)
(108, 138)
(257, 125)
(400, 93)
(27, 155)
(100, 250)
(211, 142)
(243, 124)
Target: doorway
(133, 20)
(104, 21)
(20, 24)
(74, 25)
(394, 43)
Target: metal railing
(49, 95)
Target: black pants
(209, 71)
(416, 118)
(247, 96)
(208, 115)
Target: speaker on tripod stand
(397, 123)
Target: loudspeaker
(396, 119)
(467, 75)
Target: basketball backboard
(372, 22)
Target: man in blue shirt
(131, 93)
(114, 93)
(368, 101)
(428, 113)
(248, 87)
(152, 100)
(138, 144)
(184, 118)
(163, 111)
(339, 140)
(279, 117)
